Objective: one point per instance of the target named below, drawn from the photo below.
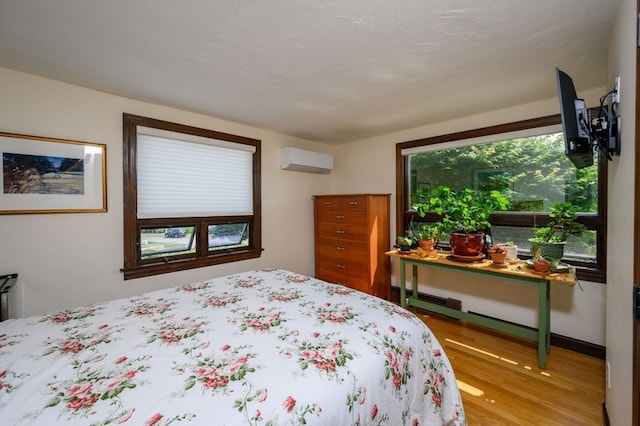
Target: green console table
(518, 273)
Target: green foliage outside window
(533, 172)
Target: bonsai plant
(550, 239)
(465, 213)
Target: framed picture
(48, 175)
(492, 179)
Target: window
(524, 160)
(191, 197)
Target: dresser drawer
(343, 202)
(356, 283)
(341, 271)
(349, 249)
(342, 265)
(343, 231)
(342, 216)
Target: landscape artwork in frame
(48, 175)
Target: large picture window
(191, 197)
(525, 161)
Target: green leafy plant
(405, 242)
(466, 210)
(563, 223)
(427, 231)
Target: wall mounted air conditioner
(302, 160)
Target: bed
(268, 347)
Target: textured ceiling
(330, 71)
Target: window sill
(148, 270)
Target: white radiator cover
(301, 160)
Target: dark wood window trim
(585, 271)
(134, 267)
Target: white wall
(66, 260)
(622, 62)
(577, 312)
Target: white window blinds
(178, 178)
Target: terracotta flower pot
(541, 265)
(427, 245)
(499, 258)
(467, 244)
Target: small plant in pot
(540, 263)
(498, 255)
(404, 244)
(428, 235)
(550, 240)
(512, 250)
(466, 212)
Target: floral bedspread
(267, 347)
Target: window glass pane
(228, 235)
(582, 249)
(533, 171)
(167, 242)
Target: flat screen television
(578, 145)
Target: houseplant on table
(465, 213)
(404, 243)
(498, 255)
(428, 235)
(550, 240)
(540, 263)
(511, 248)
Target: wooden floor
(501, 383)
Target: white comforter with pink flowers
(269, 347)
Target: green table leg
(543, 323)
(414, 282)
(548, 339)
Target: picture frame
(50, 175)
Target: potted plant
(511, 248)
(498, 255)
(404, 243)
(550, 239)
(540, 263)
(466, 214)
(428, 235)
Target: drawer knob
(327, 203)
(339, 216)
(353, 203)
(340, 266)
(340, 248)
(339, 231)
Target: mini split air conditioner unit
(301, 160)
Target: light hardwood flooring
(501, 383)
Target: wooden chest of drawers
(351, 238)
